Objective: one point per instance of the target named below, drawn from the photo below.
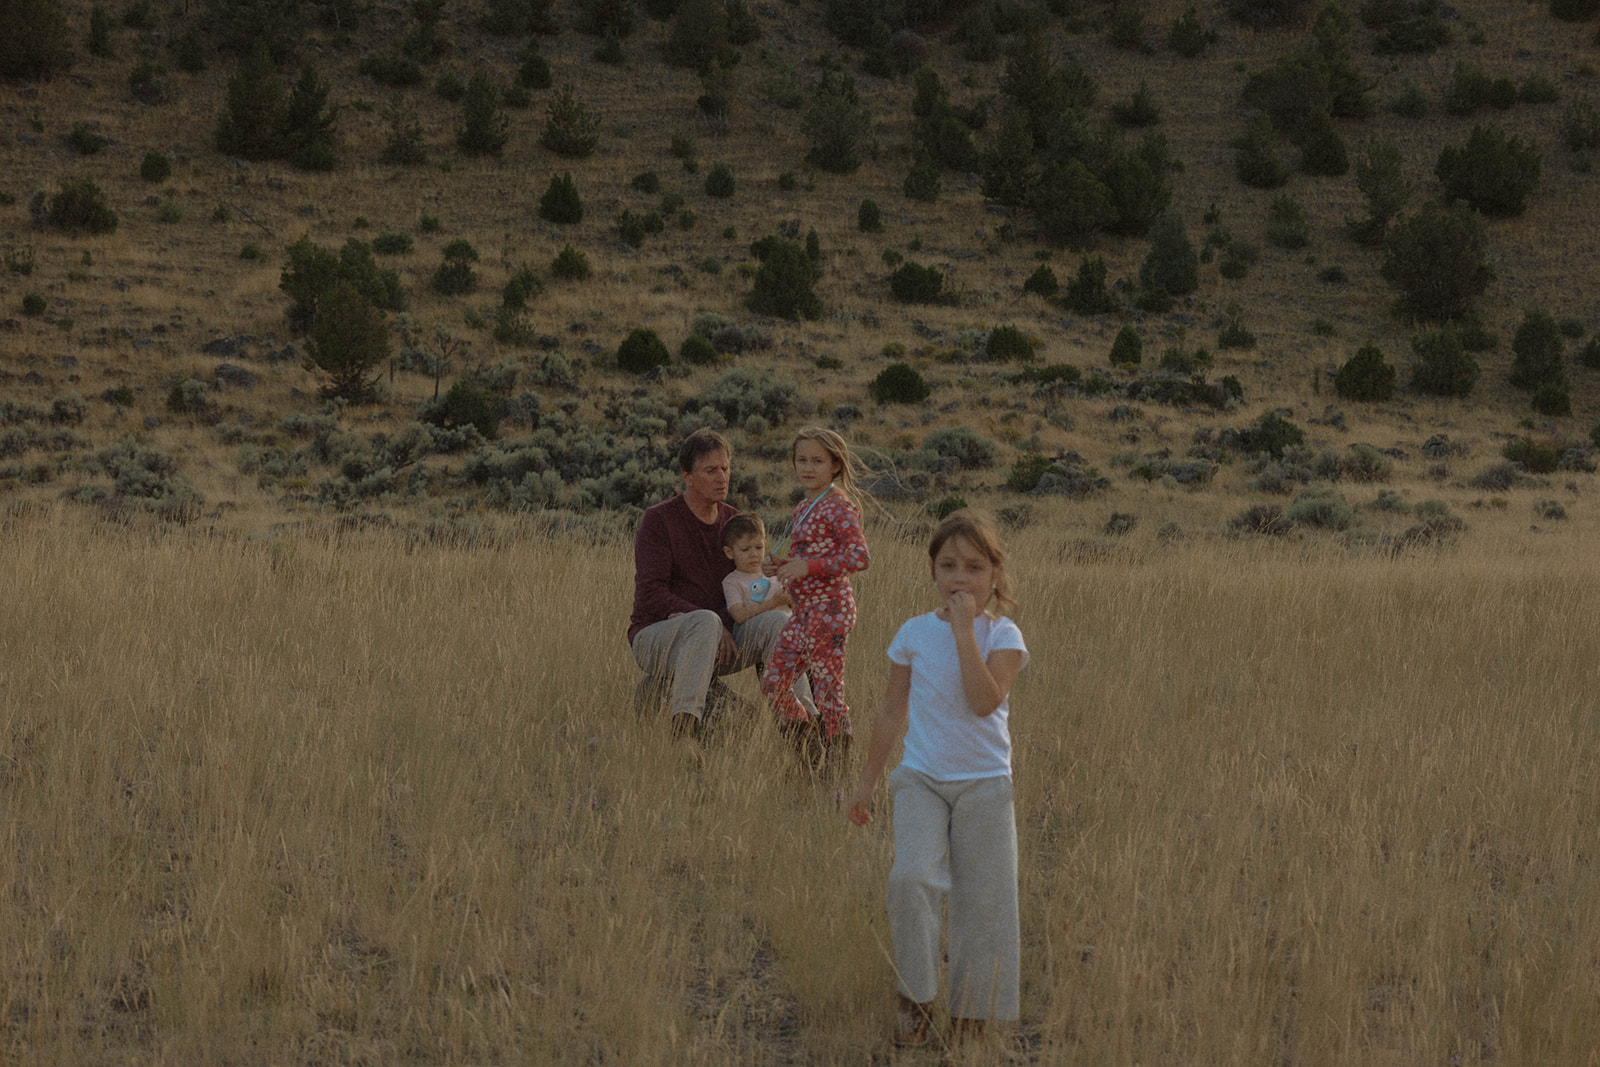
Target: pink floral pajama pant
(811, 641)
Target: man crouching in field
(681, 633)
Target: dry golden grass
(358, 797)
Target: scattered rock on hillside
(237, 377)
(1440, 446)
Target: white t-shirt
(944, 738)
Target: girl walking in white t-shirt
(955, 835)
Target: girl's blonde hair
(978, 530)
(851, 469)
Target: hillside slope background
(175, 335)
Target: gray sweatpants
(956, 840)
(680, 656)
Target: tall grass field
(348, 797)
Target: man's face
(707, 481)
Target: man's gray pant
(679, 657)
(955, 844)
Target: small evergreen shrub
(155, 167)
(869, 218)
(783, 283)
(191, 51)
(647, 181)
(1580, 125)
(1287, 226)
(1589, 354)
(1539, 351)
(697, 350)
(1189, 37)
(1537, 89)
(1469, 89)
(719, 181)
(922, 181)
(1042, 282)
(520, 287)
(1128, 347)
(1536, 457)
(396, 72)
(1087, 293)
(837, 124)
(1441, 366)
(1007, 343)
(898, 383)
(570, 129)
(33, 305)
(1411, 102)
(642, 352)
(484, 129)
(1436, 258)
(1139, 110)
(1172, 262)
(349, 343)
(392, 244)
(466, 403)
(449, 86)
(1552, 398)
(560, 203)
(81, 206)
(455, 275)
(1255, 159)
(912, 283)
(1272, 434)
(1233, 333)
(1493, 172)
(1322, 151)
(533, 70)
(98, 39)
(570, 264)
(1365, 376)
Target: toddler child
(748, 591)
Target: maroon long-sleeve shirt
(678, 564)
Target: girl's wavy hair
(851, 467)
(978, 530)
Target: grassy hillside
(128, 315)
(337, 809)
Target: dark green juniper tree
(483, 127)
(348, 344)
(308, 140)
(33, 39)
(570, 130)
(252, 126)
(837, 123)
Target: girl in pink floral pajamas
(826, 547)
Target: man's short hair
(702, 442)
(738, 527)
